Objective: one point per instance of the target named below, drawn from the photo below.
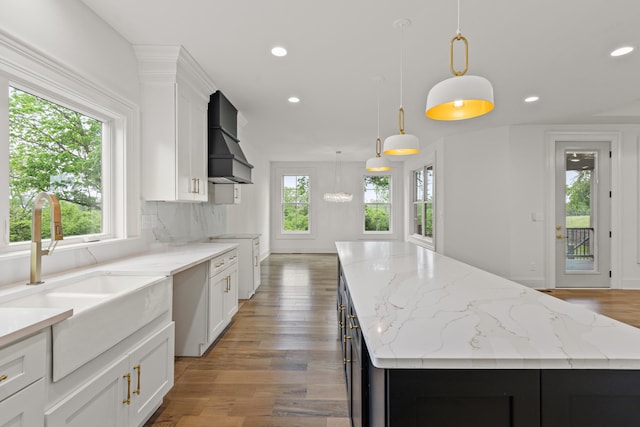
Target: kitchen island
(429, 340)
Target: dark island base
(502, 398)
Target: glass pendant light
(338, 196)
(378, 163)
(401, 144)
(459, 97)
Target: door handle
(561, 236)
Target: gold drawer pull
(137, 390)
(3, 377)
(220, 264)
(128, 399)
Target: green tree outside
(295, 207)
(377, 208)
(54, 149)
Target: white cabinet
(22, 368)
(226, 194)
(205, 298)
(249, 261)
(24, 409)
(126, 392)
(174, 101)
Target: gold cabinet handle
(128, 399)
(198, 182)
(220, 264)
(137, 390)
(352, 326)
(341, 307)
(3, 377)
(347, 361)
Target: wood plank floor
(279, 363)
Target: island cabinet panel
(452, 398)
(590, 398)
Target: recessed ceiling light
(532, 98)
(622, 51)
(279, 51)
(294, 99)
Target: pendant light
(338, 196)
(401, 144)
(378, 163)
(462, 96)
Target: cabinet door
(24, 409)
(199, 148)
(151, 374)
(215, 313)
(231, 295)
(185, 181)
(101, 402)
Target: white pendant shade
(378, 164)
(401, 144)
(459, 97)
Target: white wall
(333, 221)
(494, 181)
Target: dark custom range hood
(227, 163)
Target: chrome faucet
(36, 233)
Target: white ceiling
(556, 49)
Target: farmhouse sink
(107, 308)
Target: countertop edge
(34, 327)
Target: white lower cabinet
(24, 409)
(124, 394)
(22, 396)
(205, 298)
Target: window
(295, 204)
(55, 149)
(423, 203)
(377, 203)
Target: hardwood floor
(619, 304)
(279, 363)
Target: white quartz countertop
(236, 236)
(171, 259)
(17, 323)
(419, 309)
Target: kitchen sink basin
(107, 308)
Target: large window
(295, 204)
(377, 203)
(423, 203)
(55, 149)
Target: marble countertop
(17, 323)
(420, 309)
(170, 260)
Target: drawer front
(232, 258)
(218, 264)
(25, 408)
(21, 364)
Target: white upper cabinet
(175, 98)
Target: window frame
(105, 174)
(41, 76)
(283, 204)
(424, 239)
(390, 204)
